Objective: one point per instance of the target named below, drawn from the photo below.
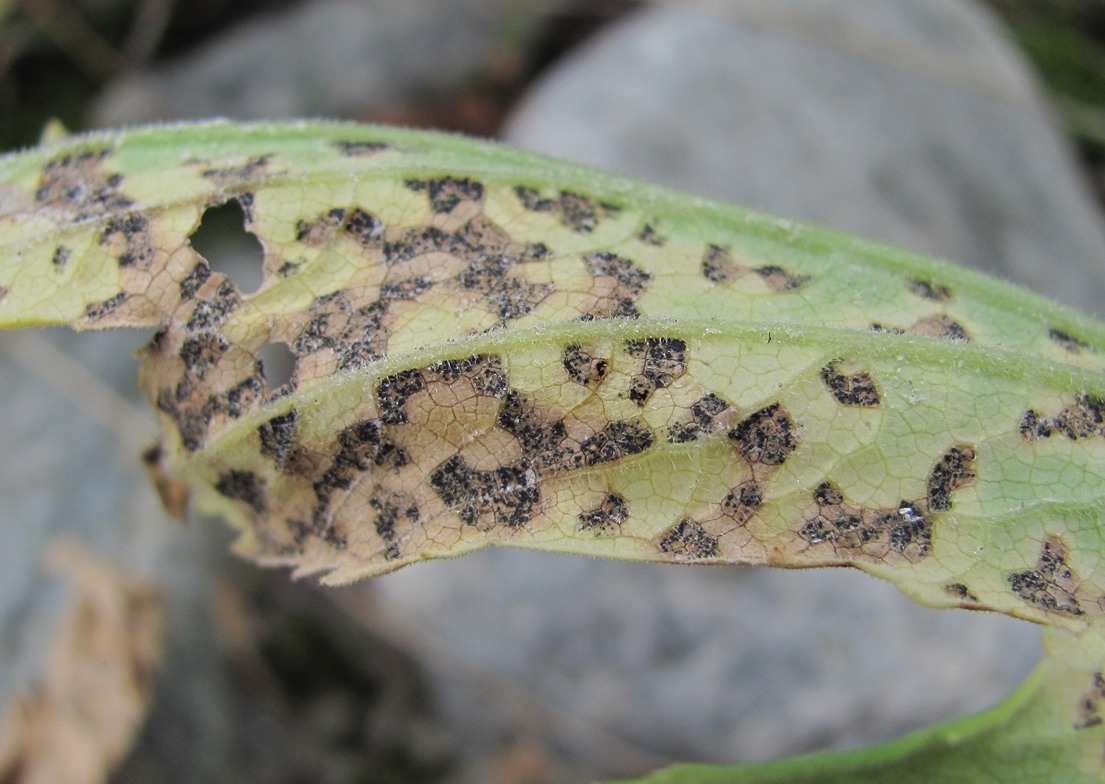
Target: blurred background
(965, 129)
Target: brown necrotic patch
(574, 210)
(961, 592)
(861, 531)
(617, 285)
(741, 503)
(213, 303)
(605, 518)
(542, 438)
(98, 310)
(940, 326)
(904, 530)
(128, 238)
(662, 361)
(857, 389)
(687, 539)
(929, 290)
(616, 441)
(583, 365)
(202, 351)
(505, 496)
(321, 230)
(704, 417)
(1051, 586)
(766, 437)
(779, 279)
(244, 486)
(719, 266)
(75, 185)
(1085, 418)
(356, 335)
(955, 470)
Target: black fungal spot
(74, 184)
(1051, 585)
(391, 510)
(855, 390)
(615, 441)
(233, 175)
(238, 399)
(359, 447)
(193, 280)
(364, 227)
(886, 330)
(202, 351)
(930, 290)
(741, 502)
(1085, 418)
(243, 486)
(277, 437)
(358, 149)
(1067, 342)
(209, 313)
(629, 283)
(582, 367)
(61, 257)
(961, 591)
(766, 437)
(506, 496)
(649, 236)
(393, 392)
(447, 192)
(664, 360)
(574, 210)
(133, 229)
(540, 438)
(98, 310)
(956, 469)
(606, 517)
(688, 539)
(903, 529)
(702, 421)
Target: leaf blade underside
(496, 348)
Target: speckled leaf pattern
(496, 348)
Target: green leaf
(493, 348)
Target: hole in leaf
(277, 364)
(222, 239)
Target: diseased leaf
(496, 348)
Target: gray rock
(331, 58)
(72, 469)
(911, 122)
